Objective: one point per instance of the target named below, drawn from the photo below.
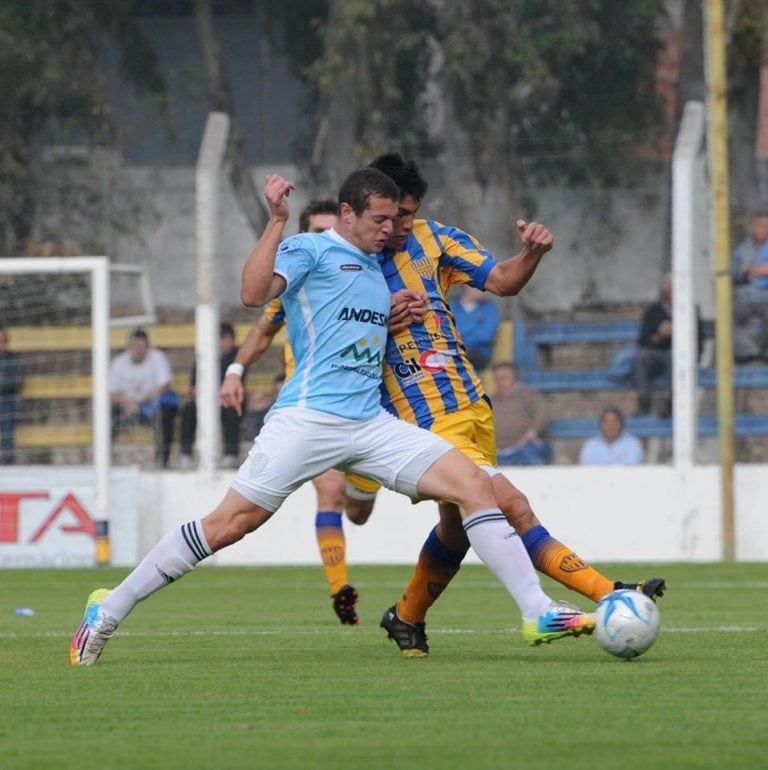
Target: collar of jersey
(341, 239)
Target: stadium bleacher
(534, 341)
(38, 430)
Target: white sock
(176, 554)
(498, 545)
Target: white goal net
(60, 324)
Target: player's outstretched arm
(507, 278)
(258, 339)
(259, 283)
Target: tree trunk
(246, 193)
(334, 145)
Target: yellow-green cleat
(560, 620)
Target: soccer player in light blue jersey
(337, 304)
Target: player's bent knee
(358, 511)
(455, 478)
(514, 505)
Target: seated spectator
(653, 359)
(11, 380)
(477, 319)
(258, 406)
(750, 292)
(230, 419)
(613, 445)
(521, 417)
(140, 385)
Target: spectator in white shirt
(613, 445)
(141, 390)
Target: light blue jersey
(337, 306)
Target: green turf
(248, 668)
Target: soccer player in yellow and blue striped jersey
(429, 380)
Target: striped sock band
(192, 532)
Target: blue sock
(441, 557)
(535, 539)
(328, 519)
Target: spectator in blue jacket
(477, 318)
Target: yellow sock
(561, 563)
(435, 569)
(332, 545)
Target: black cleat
(344, 603)
(653, 588)
(411, 638)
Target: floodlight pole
(718, 152)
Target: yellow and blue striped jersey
(275, 314)
(426, 370)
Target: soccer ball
(627, 623)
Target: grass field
(248, 668)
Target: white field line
(318, 631)
(736, 585)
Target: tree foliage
(366, 69)
(562, 87)
(53, 89)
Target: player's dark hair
(356, 190)
(404, 173)
(226, 330)
(316, 206)
(139, 334)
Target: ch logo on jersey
(360, 351)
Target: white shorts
(297, 444)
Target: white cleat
(94, 632)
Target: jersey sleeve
(295, 258)
(463, 258)
(275, 312)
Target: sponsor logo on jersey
(363, 315)
(414, 369)
(360, 351)
(351, 268)
(420, 341)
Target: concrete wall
(609, 249)
(646, 514)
